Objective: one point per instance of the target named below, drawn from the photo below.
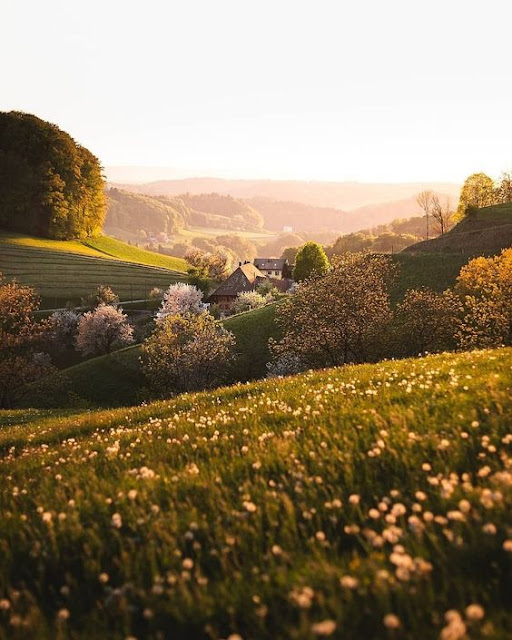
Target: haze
(330, 90)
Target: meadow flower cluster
(371, 501)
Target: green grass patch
(123, 251)
(334, 497)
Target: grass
(334, 498)
(116, 379)
(117, 249)
(60, 275)
(437, 272)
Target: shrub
(248, 300)
(103, 330)
(187, 353)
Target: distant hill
(485, 232)
(338, 195)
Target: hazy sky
(391, 90)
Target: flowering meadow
(364, 502)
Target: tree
(49, 185)
(21, 362)
(187, 353)
(341, 317)
(290, 253)
(103, 295)
(426, 321)
(352, 243)
(310, 261)
(504, 189)
(477, 191)
(424, 200)
(180, 299)
(103, 330)
(61, 329)
(442, 213)
(485, 287)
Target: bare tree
(442, 213)
(424, 200)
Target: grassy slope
(116, 379)
(251, 485)
(60, 274)
(117, 249)
(485, 232)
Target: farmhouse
(274, 267)
(247, 277)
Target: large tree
(477, 191)
(49, 185)
(311, 260)
(341, 317)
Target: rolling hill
(116, 379)
(363, 502)
(485, 232)
(62, 271)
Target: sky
(367, 90)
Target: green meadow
(369, 501)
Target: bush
(186, 353)
(248, 300)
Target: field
(117, 249)
(438, 272)
(363, 502)
(116, 379)
(62, 273)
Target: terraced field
(60, 275)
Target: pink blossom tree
(102, 330)
(180, 299)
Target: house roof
(245, 278)
(270, 263)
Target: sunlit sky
(369, 90)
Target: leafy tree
(311, 261)
(103, 330)
(426, 321)
(49, 185)
(477, 191)
(352, 243)
(21, 362)
(485, 286)
(504, 188)
(186, 353)
(180, 299)
(290, 253)
(103, 295)
(242, 248)
(341, 317)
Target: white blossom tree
(102, 330)
(180, 299)
(248, 300)
(62, 327)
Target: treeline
(50, 186)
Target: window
(276, 273)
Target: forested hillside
(50, 186)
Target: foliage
(50, 185)
(341, 317)
(310, 261)
(242, 248)
(232, 209)
(180, 299)
(20, 360)
(426, 321)
(290, 253)
(216, 265)
(103, 330)
(485, 285)
(134, 212)
(187, 352)
(248, 300)
(344, 495)
(102, 295)
(477, 191)
(61, 329)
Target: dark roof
(270, 263)
(246, 278)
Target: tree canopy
(311, 260)
(50, 186)
(477, 191)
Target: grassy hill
(485, 232)
(63, 271)
(318, 505)
(117, 379)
